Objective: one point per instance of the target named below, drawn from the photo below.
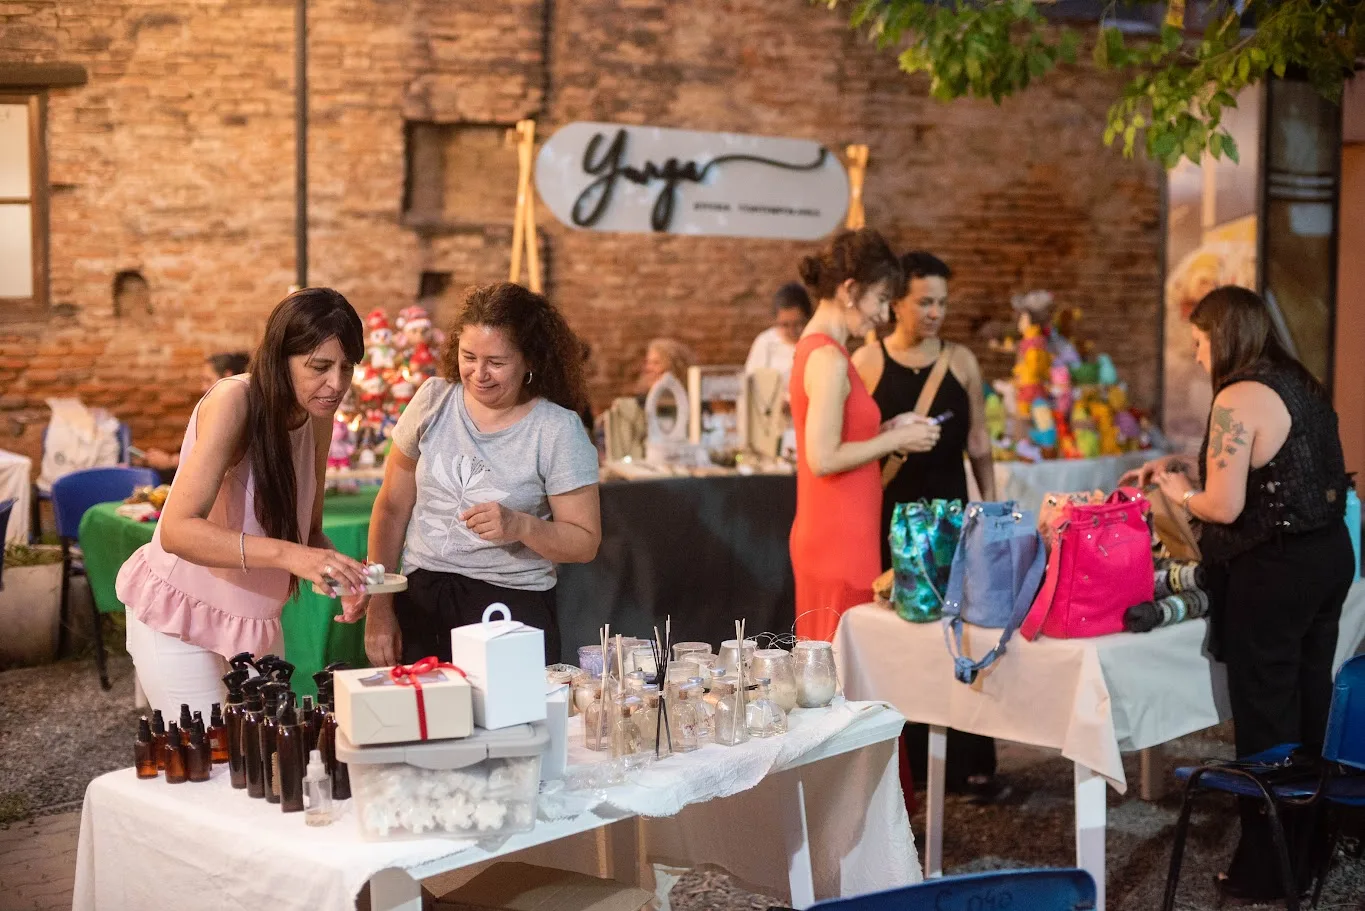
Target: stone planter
(30, 611)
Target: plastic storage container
(482, 786)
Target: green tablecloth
(311, 638)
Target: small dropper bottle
(218, 744)
(317, 791)
(186, 724)
(159, 739)
(144, 759)
(197, 759)
(175, 756)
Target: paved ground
(58, 730)
(38, 861)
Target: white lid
(519, 740)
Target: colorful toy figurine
(1062, 397)
(1044, 432)
(379, 350)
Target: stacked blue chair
(1336, 782)
(1027, 890)
(72, 496)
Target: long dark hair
(862, 255)
(553, 353)
(299, 324)
(1242, 334)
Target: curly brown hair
(553, 353)
(861, 255)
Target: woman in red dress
(834, 540)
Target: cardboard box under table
(373, 707)
(523, 887)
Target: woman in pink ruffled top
(243, 524)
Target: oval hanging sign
(613, 177)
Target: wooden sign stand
(524, 222)
(857, 172)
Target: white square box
(504, 661)
(374, 708)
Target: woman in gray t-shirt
(491, 481)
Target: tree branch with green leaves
(1179, 82)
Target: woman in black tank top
(897, 371)
(1278, 559)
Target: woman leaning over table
(243, 523)
(1271, 499)
(491, 481)
(834, 549)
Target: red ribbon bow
(409, 675)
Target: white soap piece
(521, 814)
(489, 814)
(374, 573)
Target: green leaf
(1243, 68)
(1165, 146)
(1216, 145)
(1230, 148)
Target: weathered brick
(178, 164)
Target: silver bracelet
(241, 547)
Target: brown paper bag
(1173, 527)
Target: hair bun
(809, 270)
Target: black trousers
(434, 603)
(1275, 614)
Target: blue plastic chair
(6, 507)
(125, 441)
(1034, 890)
(72, 496)
(1338, 782)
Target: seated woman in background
(490, 482)
(663, 355)
(216, 367)
(1271, 496)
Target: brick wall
(175, 160)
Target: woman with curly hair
(491, 481)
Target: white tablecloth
(16, 483)
(143, 840)
(1029, 482)
(1090, 698)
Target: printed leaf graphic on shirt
(461, 483)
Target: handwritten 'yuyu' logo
(609, 167)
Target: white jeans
(172, 671)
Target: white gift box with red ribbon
(425, 701)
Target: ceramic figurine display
(394, 367)
(1063, 400)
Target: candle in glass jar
(776, 665)
(816, 676)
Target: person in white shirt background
(776, 346)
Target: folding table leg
(392, 889)
(933, 810)
(800, 873)
(1091, 812)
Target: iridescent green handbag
(923, 540)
